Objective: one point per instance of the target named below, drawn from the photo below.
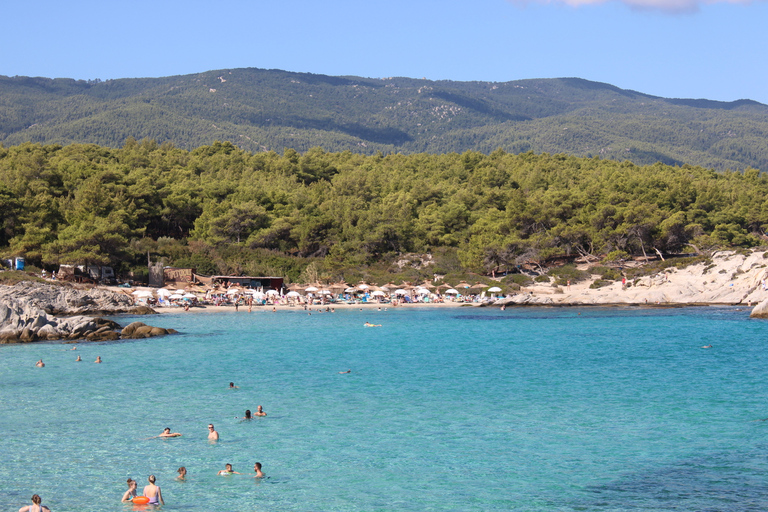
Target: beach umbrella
(422, 291)
(478, 286)
(378, 293)
(272, 292)
(233, 291)
(189, 296)
(181, 291)
(142, 293)
(363, 286)
(310, 289)
(176, 296)
(451, 291)
(164, 292)
(400, 291)
(293, 294)
(350, 290)
(325, 292)
(494, 289)
(258, 295)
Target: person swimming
(153, 492)
(131, 492)
(247, 415)
(232, 386)
(228, 471)
(257, 469)
(36, 505)
(78, 359)
(348, 371)
(369, 324)
(98, 359)
(167, 433)
(182, 471)
(212, 434)
(259, 411)
(40, 364)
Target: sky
(713, 49)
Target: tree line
(224, 210)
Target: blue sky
(672, 48)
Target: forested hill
(262, 110)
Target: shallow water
(531, 409)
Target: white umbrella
(176, 296)
(384, 288)
(378, 293)
(258, 295)
(494, 289)
(180, 291)
(189, 296)
(325, 292)
(164, 292)
(363, 286)
(350, 290)
(422, 291)
(400, 291)
(310, 289)
(142, 293)
(451, 290)
(233, 291)
(272, 292)
(293, 294)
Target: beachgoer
(182, 471)
(212, 434)
(247, 414)
(36, 506)
(40, 364)
(98, 359)
(369, 324)
(348, 371)
(152, 492)
(259, 411)
(78, 359)
(74, 348)
(257, 469)
(228, 471)
(707, 346)
(131, 492)
(232, 386)
(167, 433)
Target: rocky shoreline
(32, 311)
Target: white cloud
(674, 6)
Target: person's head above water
(247, 414)
(151, 479)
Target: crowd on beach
(307, 295)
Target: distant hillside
(261, 110)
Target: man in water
(257, 469)
(232, 386)
(212, 434)
(167, 433)
(98, 359)
(40, 364)
(348, 371)
(259, 412)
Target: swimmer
(257, 469)
(707, 346)
(348, 371)
(232, 386)
(369, 324)
(152, 492)
(247, 415)
(40, 364)
(182, 471)
(131, 492)
(167, 433)
(74, 348)
(36, 506)
(259, 412)
(228, 471)
(212, 434)
(78, 359)
(98, 359)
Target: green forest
(267, 110)
(223, 210)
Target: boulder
(760, 311)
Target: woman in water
(131, 492)
(182, 474)
(228, 471)
(247, 414)
(36, 506)
(152, 492)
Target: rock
(760, 311)
(129, 329)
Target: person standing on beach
(212, 434)
(131, 492)
(36, 505)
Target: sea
(457, 408)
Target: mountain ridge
(263, 110)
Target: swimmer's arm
(127, 496)
(160, 496)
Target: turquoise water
(530, 409)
